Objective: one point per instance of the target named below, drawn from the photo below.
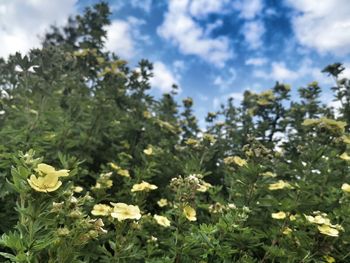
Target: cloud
(248, 9)
(305, 71)
(237, 99)
(253, 32)
(119, 39)
(145, 5)
(163, 78)
(322, 25)
(182, 30)
(225, 81)
(256, 61)
(123, 37)
(201, 8)
(22, 22)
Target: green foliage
(133, 178)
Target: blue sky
(212, 49)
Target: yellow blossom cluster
(329, 124)
(103, 182)
(119, 211)
(235, 160)
(323, 223)
(119, 170)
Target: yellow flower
(43, 169)
(327, 230)
(101, 210)
(331, 125)
(345, 156)
(279, 185)
(329, 259)
(346, 187)
(190, 213)
(162, 202)
(147, 114)
(203, 187)
(346, 139)
(287, 231)
(191, 141)
(47, 183)
(114, 166)
(148, 151)
(78, 189)
(292, 217)
(279, 215)
(162, 220)
(124, 172)
(235, 160)
(123, 211)
(268, 174)
(143, 186)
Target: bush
(100, 171)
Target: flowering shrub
(94, 169)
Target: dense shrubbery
(133, 179)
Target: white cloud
(163, 77)
(180, 28)
(123, 36)
(253, 32)
(256, 61)
(237, 99)
(119, 39)
(226, 80)
(322, 25)
(142, 4)
(201, 8)
(22, 22)
(248, 9)
(306, 71)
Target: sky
(212, 49)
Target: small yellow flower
(114, 166)
(162, 220)
(190, 213)
(329, 259)
(345, 156)
(78, 189)
(123, 211)
(124, 172)
(101, 210)
(268, 174)
(327, 230)
(292, 217)
(47, 183)
(192, 142)
(279, 185)
(203, 187)
(147, 114)
(279, 215)
(287, 231)
(148, 151)
(143, 186)
(43, 169)
(162, 202)
(235, 160)
(346, 139)
(346, 187)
